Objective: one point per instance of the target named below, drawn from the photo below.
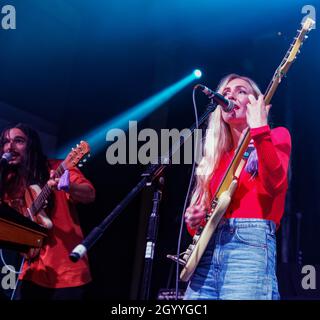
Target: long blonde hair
(218, 141)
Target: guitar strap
(244, 160)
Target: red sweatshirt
(261, 196)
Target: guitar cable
(188, 192)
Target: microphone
(6, 157)
(225, 104)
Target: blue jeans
(238, 264)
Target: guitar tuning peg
(84, 160)
(306, 37)
(77, 145)
(89, 155)
(80, 165)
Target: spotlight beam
(97, 137)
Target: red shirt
(53, 268)
(263, 195)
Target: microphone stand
(151, 174)
(151, 238)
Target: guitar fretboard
(38, 203)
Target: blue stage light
(197, 73)
(97, 137)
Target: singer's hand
(257, 112)
(194, 216)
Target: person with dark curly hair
(49, 274)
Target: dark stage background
(69, 66)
